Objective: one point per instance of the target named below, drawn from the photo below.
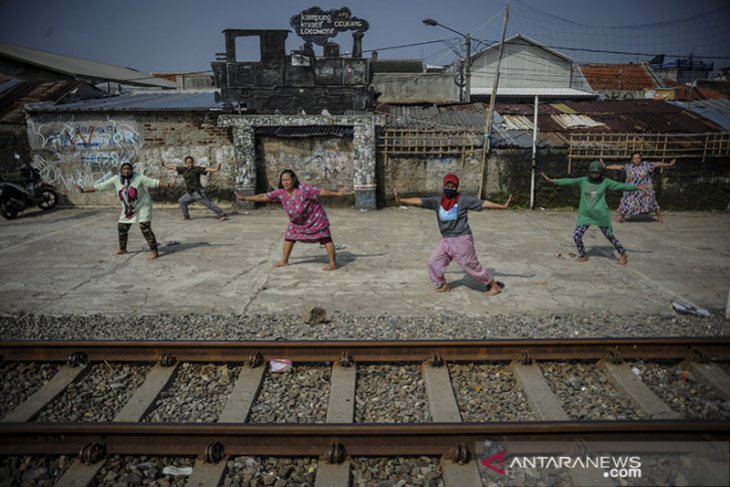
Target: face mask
(450, 193)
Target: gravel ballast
(20, 380)
(342, 326)
(487, 392)
(98, 396)
(586, 393)
(297, 395)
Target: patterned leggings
(146, 227)
(580, 230)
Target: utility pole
(467, 97)
(490, 112)
(691, 78)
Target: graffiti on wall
(82, 152)
(324, 162)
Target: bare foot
(660, 219)
(281, 263)
(581, 259)
(493, 290)
(621, 219)
(223, 218)
(120, 252)
(623, 259)
(153, 255)
(443, 288)
(330, 267)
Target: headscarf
(128, 179)
(595, 166)
(448, 202)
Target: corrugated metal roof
(139, 101)
(716, 110)
(81, 68)
(513, 121)
(431, 116)
(532, 92)
(621, 77)
(517, 122)
(14, 94)
(569, 121)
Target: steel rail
(316, 439)
(371, 351)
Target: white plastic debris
(688, 309)
(280, 365)
(635, 370)
(173, 470)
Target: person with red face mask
(457, 242)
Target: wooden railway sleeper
(255, 359)
(214, 452)
(460, 454)
(167, 360)
(92, 452)
(335, 455)
(346, 359)
(77, 359)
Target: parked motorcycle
(16, 196)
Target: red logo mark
(499, 456)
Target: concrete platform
(61, 263)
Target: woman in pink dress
(308, 220)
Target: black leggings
(146, 227)
(580, 230)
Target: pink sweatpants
(461, 249)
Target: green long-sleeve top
(593, 209)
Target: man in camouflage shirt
(194, 189)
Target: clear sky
(184, 35)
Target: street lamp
(467, 41)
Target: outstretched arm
(342, 192)
(407, 201)
(612, 167)
(549, 180)
(256, 198)
(163, 184)
(213, 169)
(84, 190)
(665, 164)
(486, 204)
(171, 167)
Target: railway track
(338, 438)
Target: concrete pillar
(244, 141)
(364, 162)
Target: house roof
(201, 100)
(81, 68)
(618, 77)
(556, 121)
(14, 94)
(716, 110)
(528, 40)
(532, 92)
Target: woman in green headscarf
(593, 209)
